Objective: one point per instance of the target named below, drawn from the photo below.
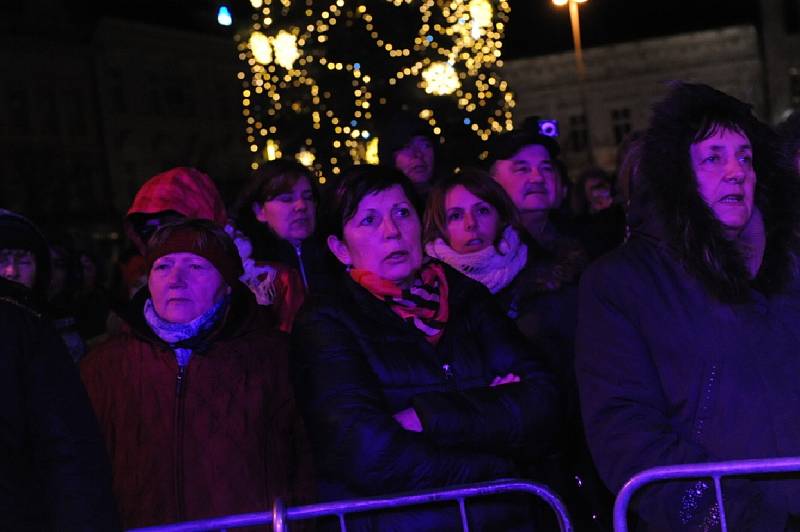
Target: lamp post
(575, 24)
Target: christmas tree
(318, 77)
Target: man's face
(18, 265)
(530, 178)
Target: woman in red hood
(185, 192)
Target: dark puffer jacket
(358, 363)
(54, 473)
(681, 355)
(223, 439)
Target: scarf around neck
(423, 304)
(493, 266)
(176, 335)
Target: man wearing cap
(525, 163)
(194, 396)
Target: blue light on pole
(224, 17)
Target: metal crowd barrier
(714, 470)
(281, 515)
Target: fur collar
(669, 207)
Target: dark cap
(505, 145)
(396, 133)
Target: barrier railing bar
(377, 503)
(342, 523)
(696, 471)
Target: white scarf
(494, 266)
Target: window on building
(76, 112)
(621, 121)
(19, 118)
(578, 133)
(791, 16)
(794, 87)
(116, 89)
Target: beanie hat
(395, 134)
(201, 238)
(17, 232)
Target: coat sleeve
(69, 457)
(627, 422)
(355, 438)
(523, 415)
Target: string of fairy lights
(455, 53)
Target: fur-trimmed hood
(667, 204)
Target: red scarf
(423, 304)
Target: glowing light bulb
(305, 157)
(480, 12)
(286, 52)
(440, 79)
(261, 48)
(224, 16)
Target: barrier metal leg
(463, 510)
(279, 516)
(723, 521)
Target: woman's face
(472, 223)
(183, 286)
(383, 237)
(416, 159)
(726, 179)
(290, 215)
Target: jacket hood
(18, 232)
(184, 190)
(667, 205)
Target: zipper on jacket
(299, 251)
(180, 386)
(448, 371)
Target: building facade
(624, 80)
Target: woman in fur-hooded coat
(687, 334)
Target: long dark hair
(667, 191)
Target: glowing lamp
(440, 78)
(224, 16)
(262, 50)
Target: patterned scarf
(178, 335)
(493, 266)
(423, 304)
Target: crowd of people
(412, 328)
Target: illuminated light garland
(454, 51)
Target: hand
(505, 380)
(409, 420)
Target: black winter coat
(670, 375)
(54, 473)
(358, 363)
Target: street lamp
(575, 23)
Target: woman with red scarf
(410, 376)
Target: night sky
(536, 27)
